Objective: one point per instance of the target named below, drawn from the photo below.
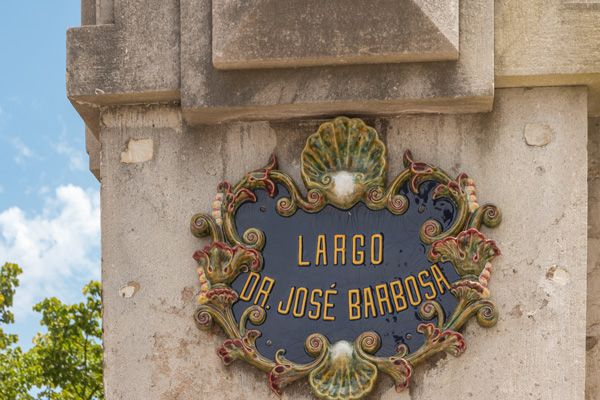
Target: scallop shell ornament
(344, 374)
(344, 159)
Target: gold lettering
(328, 305)
(377, 254)
(368, 303)
(354, 304)
(358, 256)
(246, 293)
(440, 278)
(264, 291)
(301, 262)
(383, 296)
(427, 284)
(317, 304)
(398, 296)
(339, 249)
(280, 309)
(416, 300)
(321, 253)
(295, 312)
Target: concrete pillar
(593, 274)
(179, 95)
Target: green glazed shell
(344, 159)
(344, 374)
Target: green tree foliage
(68, 357)
(65, 361)
(14, 382)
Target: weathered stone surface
(138, 151)
(105, 12)
(593, 285)
(273, 33)
(536, 134)
(129, 290)
(153, 349)
(93, 148)
(542, 233)
(209, 95)
(128, 57)
(549, 43)
(88, 12)
(97, 12)
(134, 58)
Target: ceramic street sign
(353, 277)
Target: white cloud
(43, 190)
(22, 150)
(76, 157)
(56, 249)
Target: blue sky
(49, 205)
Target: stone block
(549, 43)
(153, 350)
(275, 33)
(138, 151)
(93, 148)
(209, 95)
(134, 58)
(127, 57)
(593, 273)
(88, 12)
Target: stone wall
(528, 156)
(548, 43)
(167, 89)
(593, 276)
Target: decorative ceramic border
(343, 163)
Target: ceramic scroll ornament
(350, 277)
